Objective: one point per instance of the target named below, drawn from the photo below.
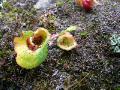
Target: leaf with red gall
(37, 40)
(31, 48)
(30, 45)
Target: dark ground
(90, 66)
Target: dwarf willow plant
(31, 48)
(115, 43)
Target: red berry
(87, 4)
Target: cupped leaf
(66, 41)
(31, 48)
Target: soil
(89, 66)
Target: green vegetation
(115, 43)
(91, 65)
(84, 34)
(65, 40)
(31, 53)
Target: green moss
(16, 10)
(48, 22)
(0, 35)
(118, 88)
(59, 3)
(69, 1)
(7, 5)
(63, 61)
(1, 54)
(12, 11)
(52, 17)
(84, 34)
(11, 16)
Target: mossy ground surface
(90, 66)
